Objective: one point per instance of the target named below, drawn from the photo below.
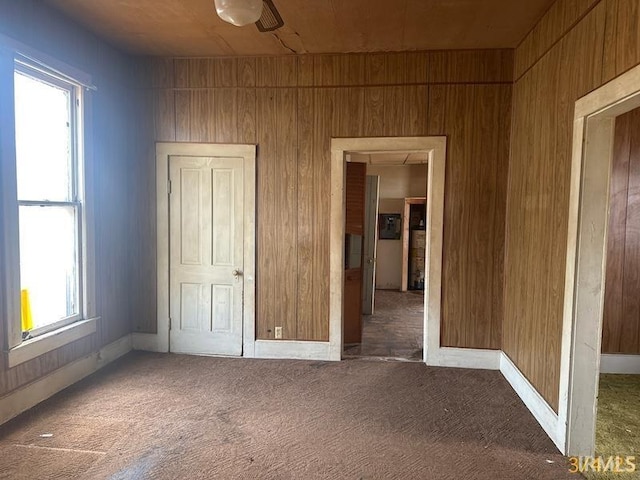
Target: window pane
(49, 262)
(43, 140)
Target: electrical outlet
(278, 333)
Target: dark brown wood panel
(355, 188)
(120, 144)
(621, 317)
(354, 198)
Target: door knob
(237, 272)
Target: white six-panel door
(206, 212)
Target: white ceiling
(192, 28)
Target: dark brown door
(354, 233)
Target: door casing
(245, 154)
(436, 149)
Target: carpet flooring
(155, 416)
(395, 329)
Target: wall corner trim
(535, 403)
(620, 364)
(28, 396)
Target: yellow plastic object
(27, 319)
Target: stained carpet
(154, 416)
(618, 423)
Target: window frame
(77, 191)
(15, 56)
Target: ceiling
(192, 28)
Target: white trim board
(465, 358)
(538, 406)
(24, 398)
(294, 350)
(593, 132)
(620, 364)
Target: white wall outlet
(278, 333)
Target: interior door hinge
(169, 186)
(169, 323)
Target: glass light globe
(239, 12)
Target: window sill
(33, 348)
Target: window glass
(49, 212)
(48, 268)
(43, 140)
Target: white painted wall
(396, 183)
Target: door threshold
(381, 359)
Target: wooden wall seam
(519, 71)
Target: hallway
(395, 329)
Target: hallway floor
(395, 328)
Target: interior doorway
(589, 269)
(385, 244)
(435, 149)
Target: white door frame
(594, 126)
(244, 153)
(436, 148)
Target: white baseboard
(464, 358)
(537, 405)
(620, 363)
(287, 349)
(24, 398)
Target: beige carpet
(153, 416)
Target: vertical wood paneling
(225, 113)
(268, 296)
(246, 72)
(183, 115)
(578, 46)
(305, 213)
(292, 107)
(323, 113)
(286, 185)
(621, 317)
(475, 118)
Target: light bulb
(239, 12)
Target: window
(46, 213)
(49, 199)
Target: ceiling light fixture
(239, 12)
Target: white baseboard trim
(620, 363)
(287, 349)
(24, 398)
(464, 358)
(537, 405)
(149, 342)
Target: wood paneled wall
(621, 318)
(114, 125)
(577, 46)
(292, 106)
